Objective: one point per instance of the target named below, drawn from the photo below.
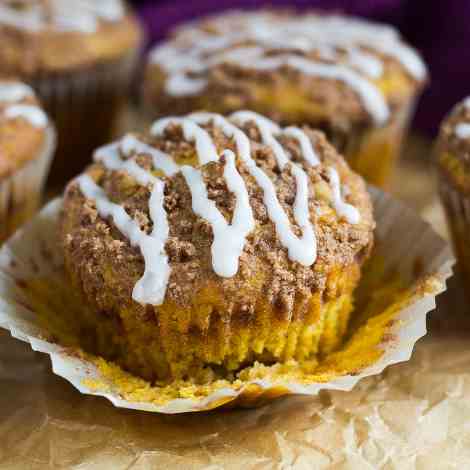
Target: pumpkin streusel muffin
(355, 80)
(453, 164)
(210, 243)
(26, 148)
(79, 56)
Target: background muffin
(453, 164)
(354, 79)
(209, 244)
(79, 56)
(26, 148)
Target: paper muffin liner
(20, 193)
(374, 151)
(457, 210)
(85, 105)
(407, 249)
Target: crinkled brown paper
(413, 416)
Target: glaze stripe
(63, 15)
(229, 240)
(151, 287)
(13, 93)
(34, 115)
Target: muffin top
(237, 203)
(56, 35)
(22, 126)
(455, 131)
(346, 66)
(453, 146)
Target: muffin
(79, 56)
(26, 148)
(453, 168)
(210, 243)
(355, 80)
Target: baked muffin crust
(453, 148)
(455, 130)
(22, 126)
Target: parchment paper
(413, 416)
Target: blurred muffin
(79, 56)
(26, 148)
(355, 80)
(210, 243)
(453, 165)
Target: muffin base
(173, 343)
(374, 152)
(20, 193)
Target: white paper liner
(33, 253)
(457, 209)
(85, 105)
(378, 169)
(20, 193)
(456, 206)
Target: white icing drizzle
(349, 212)
(267, 129)
(160, 160)
(366, 63)
(179, 84)
(229, 240)
(205, 147)
(303, 249)
(306, 147)
(151, 287)
(342, 31)
(34, 115)
(11, 92)
(333, 38)
(65, 15)
(462, 130)
(372, 98)
(109, 10)
(29, 18)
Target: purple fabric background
(439, 29)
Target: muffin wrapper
(85, 106)
(405, 243)
(373, 152)
(20, 193)
(457, 210)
